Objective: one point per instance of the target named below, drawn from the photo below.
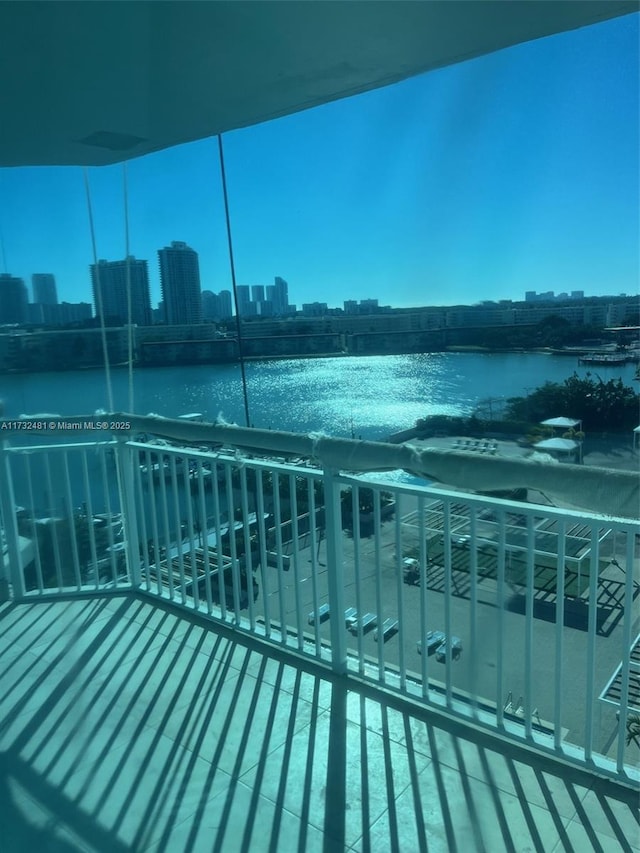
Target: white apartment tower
(180, 283)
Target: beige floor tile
(582, 837)
(140, 790)
(241, 821)
(615, 816)
(338, 776)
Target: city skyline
(196, 305)
(513, 172)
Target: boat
(611, 359)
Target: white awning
(557, 444)
(567, 423)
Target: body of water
(371, 396)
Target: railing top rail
(67, 445)
(602, 491)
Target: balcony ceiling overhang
(95, 83)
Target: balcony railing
(512, 616)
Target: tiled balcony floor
(124, 726)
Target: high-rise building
(280, 296)
(109, 280)
(43, 287)
(180, 283)
(13, 299)
(62, 314)
(209, 305)
(257, 293)
(314, 309)
(244, 299)
(225, 304)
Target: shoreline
(450, 350)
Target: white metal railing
(321, 562)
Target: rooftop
(128, 725)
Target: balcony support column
(335, 572)
(11, 565)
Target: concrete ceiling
(92, 83)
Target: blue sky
(515, 171)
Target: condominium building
(43, 287)
(180, 283)
(111, 280)
(13, 300)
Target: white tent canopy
(566, 444)
(566, 423)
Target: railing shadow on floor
(189, 730)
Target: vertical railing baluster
(192, 477)
(313, 539)
(473, 603)
(53, 528)
(591, 639)
(154, 510)
(233, 551)
(204, 536)
(528, 623)
(126, 460)
(248, 558)
(102, 463)
(217, 522)
(448, 569)
(335, 572)
(8, 503)
(377, 525)
(175, 485)
(357, 566)
(34, 531)
(423, 557)
(164, 506)
(500, 603)
(560, 592)
(626, 648)
(296, 560)
(88, 504)
(141, 517)
(262, 536)
(399, 593)
(71, 519)
(277, 511)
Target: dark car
(452, 645)
(432, 640)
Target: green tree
(600, 405)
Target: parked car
(452, 645)
(432, 640)
(411, 571)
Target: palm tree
(633, 729)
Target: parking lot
(500, 628)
